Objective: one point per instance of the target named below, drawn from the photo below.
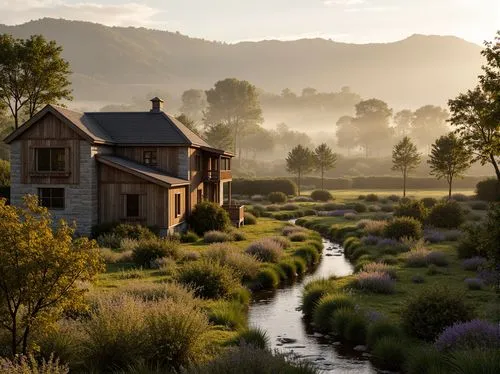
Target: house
(135, 167)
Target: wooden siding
(167, 158)
(196, 181)
(156, 204)
(49, 131)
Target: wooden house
(136, 167)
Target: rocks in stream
(360, 348)
(287, 340)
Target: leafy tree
(288, 138)
(4, 173)
(324, 160)
(219, 136)
(309, 91)
(300, 161)
(429, 122)
(235, 104)
(32, 74)
(403, 120)
(449, 159)
(260, 140)
(476, 113)
(347, 133)
(372, 123)
(194, 103)
(405, 158)
(188, 122)
(41, 270)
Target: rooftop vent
(157, 106)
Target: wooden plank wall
(167, 157)
(196, 177)
(49, 131)
(171, 208)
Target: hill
(112, 64)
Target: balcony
(217, 175)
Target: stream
(277, 312)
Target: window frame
(177, 204)
(42, 197)
(152, 157)
(127, 215)
(197, 162)
(52, 162)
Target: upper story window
(150, 158)
(225, 164)
(51, 198)
(50, 159)
(197, 162)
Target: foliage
(475, 361)
(448, 215)
(40, 269)
(403, 227)
(413, 209)
(297, 237)
(429, 122)
(309, 254)
(263, 186)
(4, 173)
(326, 306)
(355, 329)
(488, 190)
(219, 135)
(321, 195)
(149, 250)
(371, 197)
(474, 284)
(376, 282)
(429, 202)
(428, 313)
(136, 232)
(380, 267)
(340, 319)
(475, 334)
(244, 265)
(277, 197)
(230, 314)
(214, 236)
(299, 161)
(312, 293)
(29, 365)
(209, 279)
(380, 329)
(436, 258)
(474, 263)
(324, 160)
(389, 353)
(416, 258)
(255, 337)
(375, 228)
(41, 75)
(268, 278)
(449, 159)
(405, 158)
(208, 216)
(266, 250)
(250, 219)
(189, 237)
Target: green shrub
(237, 235)
(281, 240)
(244, 265)
(230, 314)
(103, 228)
(298, 237)
(470, 243)
(425, 360)
(309, 254)
(277, 197)
(380, 329)
(403, 227)
(268, 278)
(413, 209)
(371, 197)
(326, 306)
(429, 202)
(448, 215)
(263, 186)
(137, 232)
(278, 269)
(266, 250)
(479, 205)
(215, 236)
(189, 237)
(109, 240)
(359, 207)
(209, 279)
(288, 266)
(340, 319)
(352, 243)
(488, 190)
(312, 293)
(475, 361)
(389, 353)
(300, 265)
(321, 195)
(250, 219)
(255, 337)
(29, 365)
(355, 329)
(428, 313)
(208, 216)
(317, 244)
(149, 250)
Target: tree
(4, 173)
(188, 122)
(32, 74)
(235, 104)
(41, 270)
(372, 123)
(219, 136)
(476, 113)
(405, 158)
(449, 158)
(347, 133)
(324, 160)
(260, 140)
(403, 120)
(429, 122)
(300, 160)
(194, 103)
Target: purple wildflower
(434, 236)
(376, 282)
(474, 263)
(469, 335)
(370, 240)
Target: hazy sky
(357, 21)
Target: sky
(353, 21)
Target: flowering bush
(376, 267)
(376, 282)
(374, 227)
(474, 263)
(266, 250)
(417, 258)
(469, 335)
(370, 240)
(434, 236)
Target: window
(50, 159)
(177, 205)
(225, 164)
(51, 198)
(197, 162)
(150, 158)
(199, 196)
(132, 205)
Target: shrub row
(263, 186)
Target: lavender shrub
(474, 263)
(475, 334)
(376, 282)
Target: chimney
(157, 106)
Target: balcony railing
(217, 175)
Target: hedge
(250, 187)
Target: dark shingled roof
(142, 171)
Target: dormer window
(150, 158)
(50, 159)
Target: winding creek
(278, 313)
